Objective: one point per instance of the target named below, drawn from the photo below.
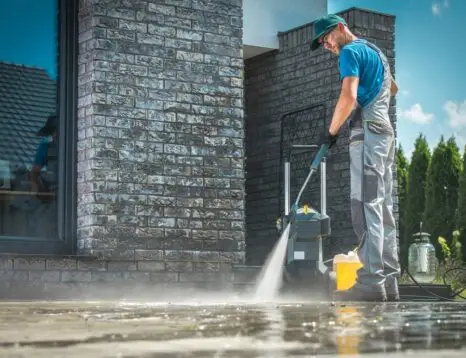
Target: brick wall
(286, 80)
(49, 277)
(160, 161)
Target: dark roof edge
(280, 33)
(22, 65)
(364, 9)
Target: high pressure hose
(440, 298)
(433, 294)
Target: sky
(27, 31)
(262, 19)
(430, 52)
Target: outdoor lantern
(422, 261)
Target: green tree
(461, 217)
(453, 170)
(415, 198)
(434, 213)
(401, 163)
(442, 191)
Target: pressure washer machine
(304, 267)
(305, 270)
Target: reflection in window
(28, 122)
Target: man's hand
(329, 139)
(332, 140)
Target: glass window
(28, 119)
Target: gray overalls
(372, 153)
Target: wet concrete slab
(230, 329)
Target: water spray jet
(296, 262)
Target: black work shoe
(391, 287)
(393, 297)
(357, 294)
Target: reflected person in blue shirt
(45, 157)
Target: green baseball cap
(323, 26)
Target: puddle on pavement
(100, 329)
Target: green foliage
(434, 214)
(402, 187)
(415, 195)
(442, 191)
(434, 193)
(446, 252)
(453, 169)
(461, 217)
(457, 246)
(453, 259)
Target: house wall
(286, 80)
(160, 155)
(160, 117)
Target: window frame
(65, 242)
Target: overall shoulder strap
(375, 48)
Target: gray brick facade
(160, 118)
(47, 277)
(286, 80)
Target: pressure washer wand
(314, 166)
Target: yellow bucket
(346, 267)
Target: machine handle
(300, 146)
(304, 146)
(314, 166)
(319, 156)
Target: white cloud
(437, 7)
(456, 112)
(417, 115)
(456, 118)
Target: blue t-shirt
(42, 152)
(360, 60)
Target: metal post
(323, 187)
(287, 188)
(323, 210)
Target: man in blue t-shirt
(366, 89)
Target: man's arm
(346, 103)
(393, 88)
